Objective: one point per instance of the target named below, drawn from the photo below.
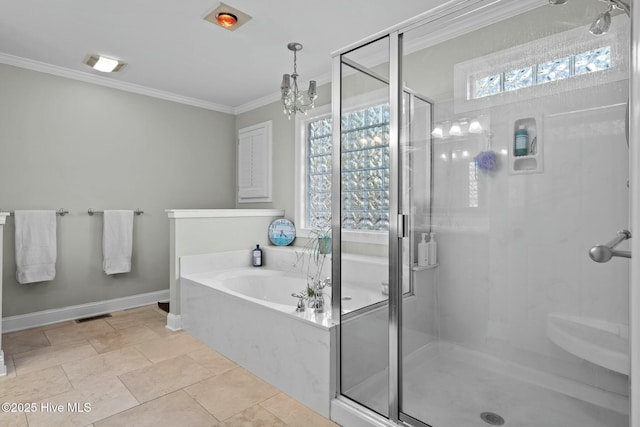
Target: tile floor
(129, 370)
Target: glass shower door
(513, 324)
(364, 225)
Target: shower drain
(492, 418)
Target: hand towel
(36, 250)
(117, 241)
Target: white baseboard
(47, 317)
(174, 322)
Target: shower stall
(500, 129)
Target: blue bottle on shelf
(521, 143)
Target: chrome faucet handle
(302, 297)
(319, 304)
(321, 284)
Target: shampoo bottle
(521, 143)
(433, 249)
(423, 251)
(257, 257)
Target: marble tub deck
(134, 371)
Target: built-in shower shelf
(416, 267)
(600, 342)
(532, 162)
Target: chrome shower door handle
(603, 253)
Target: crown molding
(55, 70)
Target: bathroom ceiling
(171, 49)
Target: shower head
(619, 4)
(602, 23)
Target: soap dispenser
(432, 250)
(423, 252)
(257, 257)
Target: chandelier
(294, 100)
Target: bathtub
(268, 288)
(248, 315)
(273, 288)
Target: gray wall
(70, 144)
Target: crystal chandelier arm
(286, 83)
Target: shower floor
(445, 387)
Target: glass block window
(365, 170)
(488, 86)
(556, 69)
(517, 79)
(319, 148)
(549, 71)
(593, 60)
(473, 185)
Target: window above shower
(570, 66)
(574, 59)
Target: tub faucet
(321, 284)
(302, 297)
(318, 298)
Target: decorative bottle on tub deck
(257, 256)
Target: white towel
(117, 241)
(36, 250)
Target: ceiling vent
(227, 17)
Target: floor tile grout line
(133, 344)
(36, 348)
(49, 397)
(76, 343)
(169, 392)
(200, 404)
(129, 390)
(271, 412)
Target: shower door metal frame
(634, 167)
(336, 206)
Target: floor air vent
(88, 319)
(492, 418)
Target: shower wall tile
(523, 253)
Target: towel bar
(91, 211)
(61, 212)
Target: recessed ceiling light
(227, 17)
(104, 64)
